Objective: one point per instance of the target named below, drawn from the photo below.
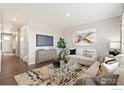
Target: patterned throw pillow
(89, 53)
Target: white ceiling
(55, 14)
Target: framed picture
(85, 37)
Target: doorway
(7, 41)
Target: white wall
(0, 47)
(122, 33)
(23, 43)
(106, 30)
(17, 43)
(39, 28)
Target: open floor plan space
(62, 44)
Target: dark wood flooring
(11, 66)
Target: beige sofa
(82, 59)
(88, 57)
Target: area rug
(46, 76)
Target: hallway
(11, 66)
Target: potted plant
(62, 45)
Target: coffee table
(67, 73)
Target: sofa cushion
(82, 58)
(93, 69)
(86, 59)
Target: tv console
(43, 55)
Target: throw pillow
(73, 52)
(89, 53)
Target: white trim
(31, 63)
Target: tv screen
(44, 40)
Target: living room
(88, 31)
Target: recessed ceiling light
(68, 14)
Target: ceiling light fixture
(68, 14)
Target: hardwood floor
(11, 66)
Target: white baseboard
(31, 63)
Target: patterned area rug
(46, 76)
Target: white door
(6, 43)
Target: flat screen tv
(44, 40)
